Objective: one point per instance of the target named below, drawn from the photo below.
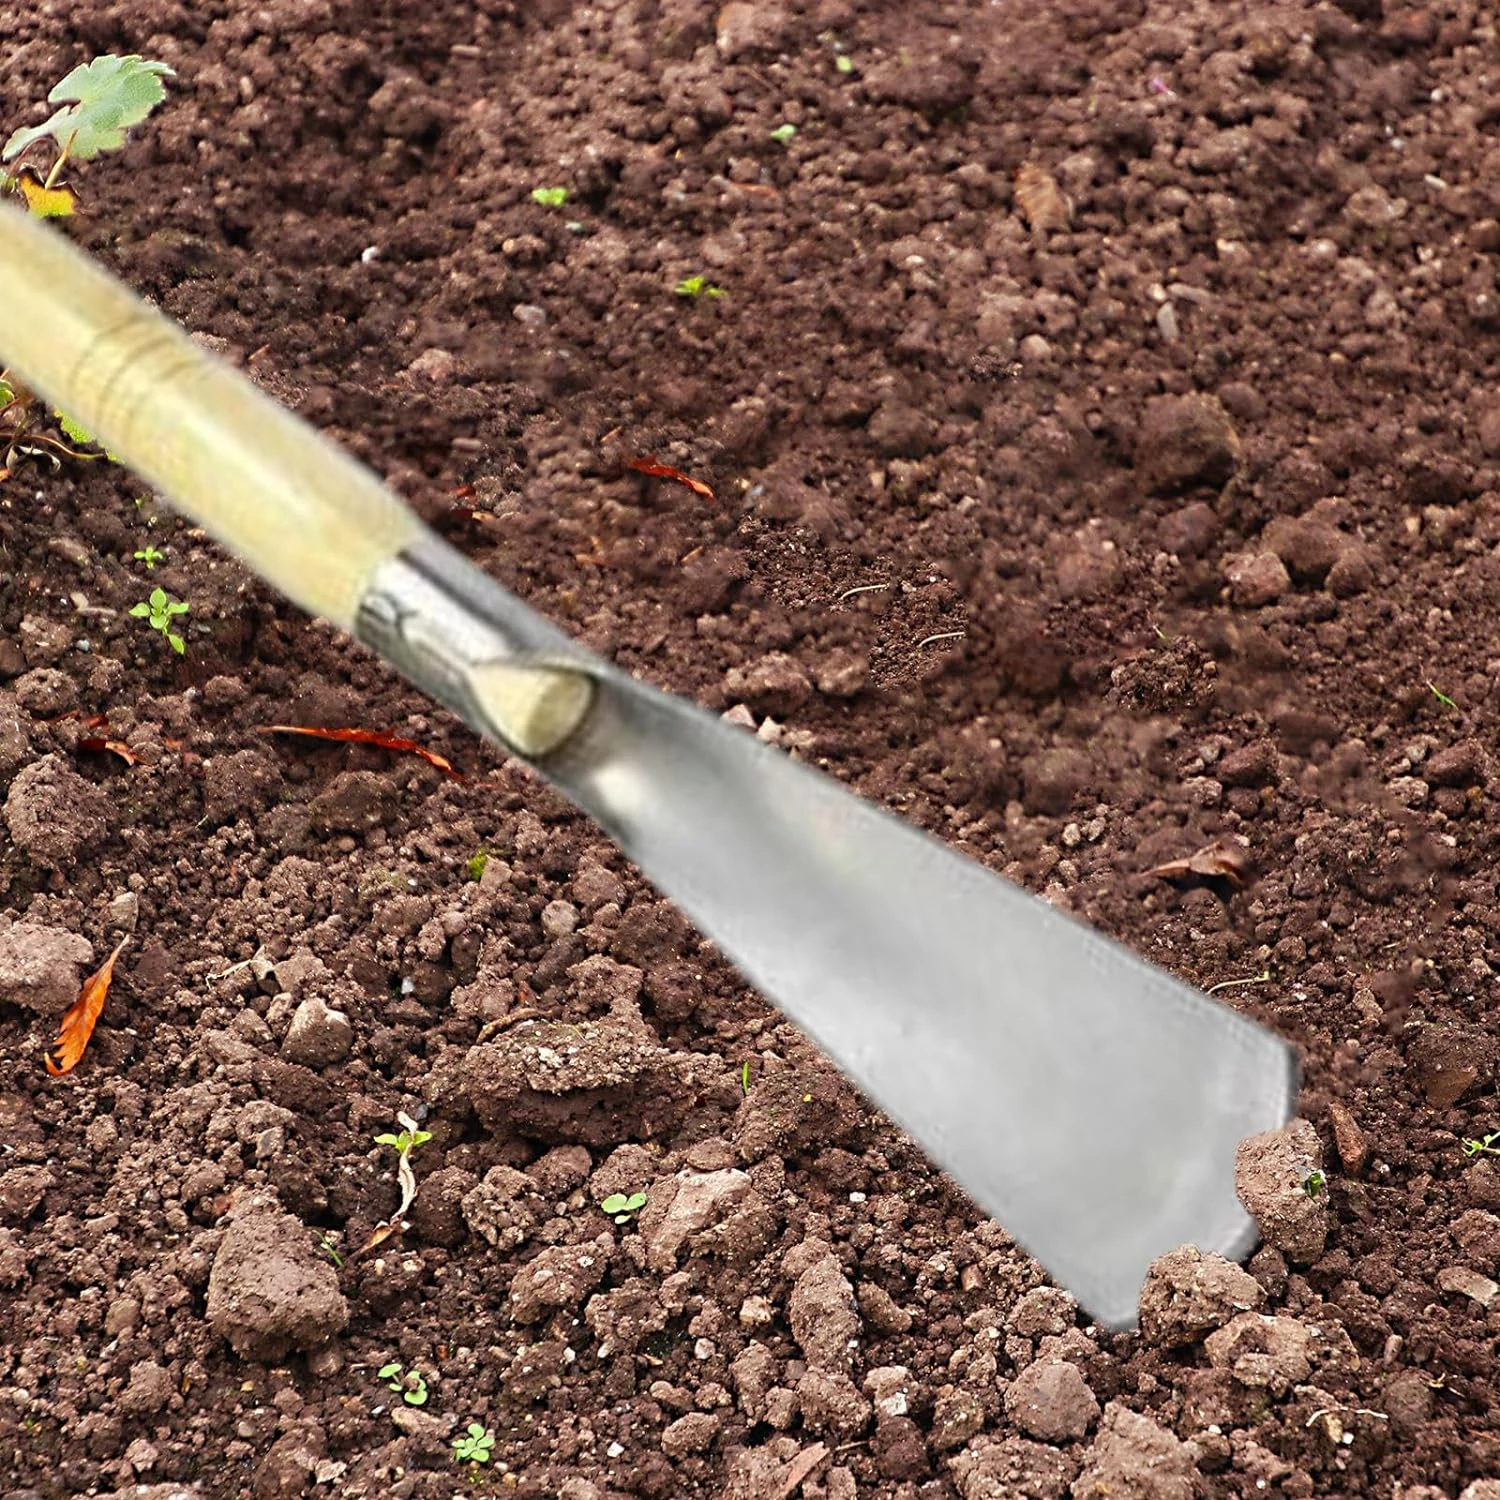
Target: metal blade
(1086, 1099)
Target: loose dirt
(1101, 414)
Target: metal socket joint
(416, 614)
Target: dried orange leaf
(802, 1469)
(1224, 859)
(369, 737)
(98, 744)
(77, 1025)
(658, 470)
(1040, 200)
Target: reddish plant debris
(1224, 859)
(97, 745)
(368, 737)
(78, 1022)
(658, 470)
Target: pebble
(1449, 1061)
(1186, 441)
(1270, 1173)
(1188, 1295)
(1051, 1400)
(1256, 579)
(1352, 1145)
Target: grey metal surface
(1086, 1099)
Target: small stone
(1263, 1352)
(686, 1205)
(748, 28)
(436, 365)
(881, 1310)
(1478, 1234)
(1308, 546)
(957, 1414)
(318, 1037)
(559, 1279)
(53, 814)
(842, 674)
(1191, 531)
(1353, 573)
(1408, 1402)
(1053, 780)
(1252, 765)
(1050, 1400)
(773, 685)
(270, 1292)
(1463, 764)
(1256, 579)
(1186, 441)
(890, 1387)
(1272, 1174)
(693, 1433)
(1044, 1311)
(1449, 1061)
(1352, 1145)
(823, 1315)
(1013, 1469)
(832, 1404)
(149, 1390)
(899, 1451)
(42, 967)
(1134, 1459)
(1188, 1295)
(1469, 1283)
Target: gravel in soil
(1101, 413)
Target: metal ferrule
(477, 649)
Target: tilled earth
(1100, 409)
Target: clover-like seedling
(410, 1385)
(147, 556)
(407, 1141)
(783, 134)
(159, 610)
(474, 1445)
(695, 287)
(1314, 1183)
(1484, 1145)
(102, 100)
(549, 197)
(623, 1209)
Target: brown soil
(1153, 504)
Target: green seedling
(410, 1385)
(1314, 1183)
(148, 557)
(474, 1445)
(26, 430)
(102, 100)
(1485, 1145)
(844, 63)
(695, 287)
(159, 610)
(745, 1078)
(476, 865)
(783, 134)
(410, 1137)
(623, 1209)
(327, 1246)
(1441, 696)
(549, 197)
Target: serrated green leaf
(108, 96)
(71, 429)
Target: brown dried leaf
(802, 1469)
(77, 1025)
(1042, 203)
(1224, 859)
(368, 737)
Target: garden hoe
(1088, 1100)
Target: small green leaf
(72, 431)
(476, 865)
(844, 63)
(140, 611)
(549, 197)
(177, 643)
(615, 1203)
(635, 1202)
(104, 98)
(783, 134)
(385, 1372)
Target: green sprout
(476, 865)
(410, 1385)
(1314, 1183)
(148, 556)
(1485, 1145)
(1441, 696)
(327, 1246)
(783, 134)
(474, 1445)
(745, 1078)
(623, 1209)
(102, 99)
(159, 611)
(698, 286)
(844, 63)
(406, 1142)
(549, 197)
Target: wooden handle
(291, 504)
